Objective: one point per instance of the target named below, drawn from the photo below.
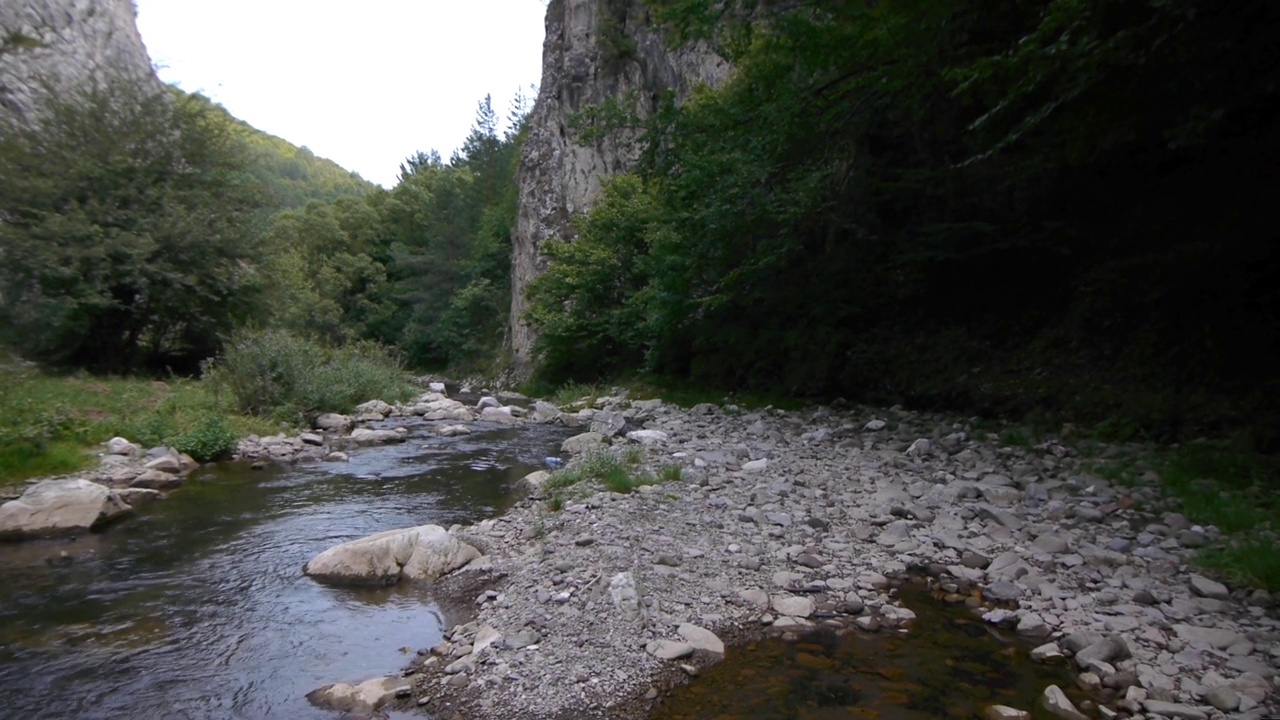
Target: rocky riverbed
(786, 521)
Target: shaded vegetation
(1214, 483)
(127, 230)
(1041, 211)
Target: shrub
(210, 439)
(274, 372)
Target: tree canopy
(1009, 207)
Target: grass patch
(48, 422)
(1017, 437)
(1253, 561)
(1235, 491)
(1212, 484)
(617, 473)
(670, 473)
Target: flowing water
(197, 607)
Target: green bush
(211, 439)
(271, 372)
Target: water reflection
(197, 607)
(950, 665)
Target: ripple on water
(197, 607)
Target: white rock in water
(366, 436)
(60, 507)
(436, 387)
(425, 552)
(501, 415)
(1004, 712)
(534, 484)
(1056, 703)
(544, 411)
(364, 698)
(453, 430)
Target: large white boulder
(367, 436)
(60, 507)
(362, 699)
(418, 553)
(502, 415)
(333, 422)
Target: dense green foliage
(275, 373)
(140, 229)
(126, 227)
(47, 422)
(1033, 209)
(292, 176)
(449, 227)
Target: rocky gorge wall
(594, 50)
(60, 44)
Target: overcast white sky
(365, 84)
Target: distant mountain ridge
(295, 175)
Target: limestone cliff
(59, 44)
(594, 50)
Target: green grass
(1017, 437)
(618, 474)
(48, 423)
(1214, 484)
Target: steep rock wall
(60, 44)
(594, 50)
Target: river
(197, 606)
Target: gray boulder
(374, 407)
(333, 422)
(366, 436)
(501, 415)
(425, 552)
(60, 507)
(533, 485)
(544, 411)
(608, 423)
(362, 699)
(584, 443)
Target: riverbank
(593, 602)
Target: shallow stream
(197, 607)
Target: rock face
(418, 553)
(60, 507)
(62, 43)
(595, 50)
